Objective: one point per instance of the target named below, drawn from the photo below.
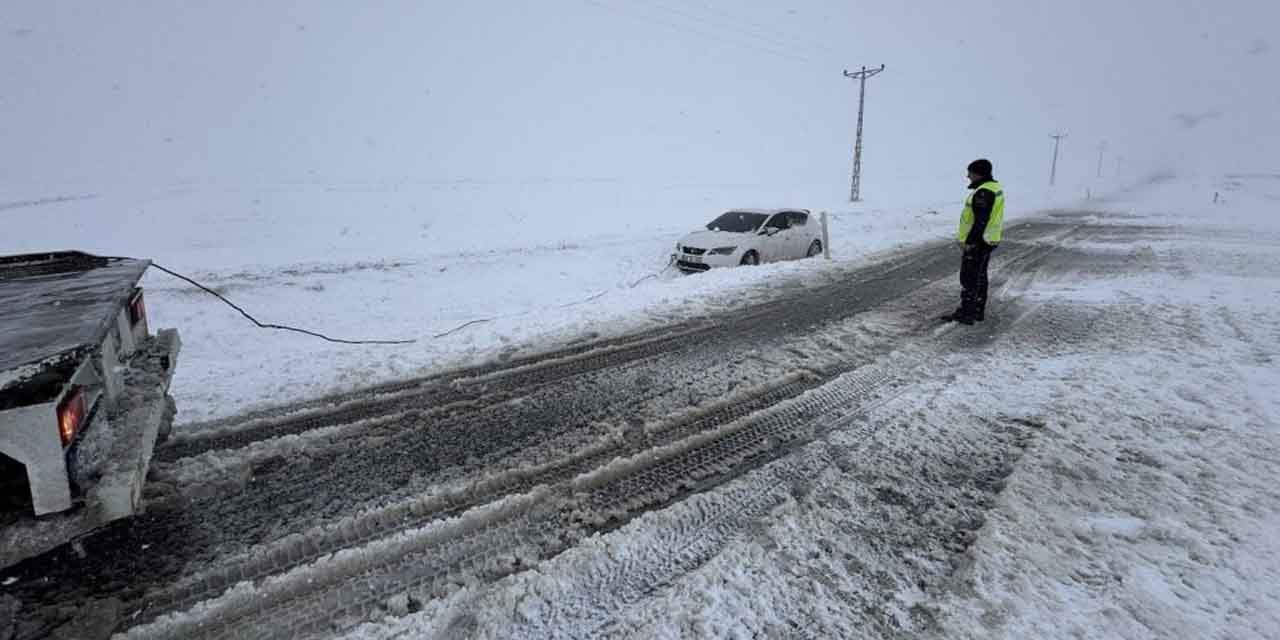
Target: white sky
(708, 92)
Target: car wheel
(814, 249)
(750, 258)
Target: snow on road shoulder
(1148, 506)
(539, 263)
(1143, 510)
(392, 263)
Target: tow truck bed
(53, 305)
(73, 332)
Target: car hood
(713, 239)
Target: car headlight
(722, 251)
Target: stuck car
(750, 237)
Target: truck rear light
(71, 413)
(137, 309)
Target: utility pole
(1102, 148)
(1053, 170)
(855, 191)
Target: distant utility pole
(855, 191)
(1053, 170)
(1102, 148)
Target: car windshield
(737, 222)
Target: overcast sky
(705, 92)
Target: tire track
(464, 387)
(258, 566)
(599, 501)
(240, 520)
(921, 267)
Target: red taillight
(137, 309)
(71, 415)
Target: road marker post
(826, 238)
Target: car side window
(778, 221)
(799, 218)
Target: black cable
(670, 262)
(456, 329)
(265, 325)
(585, 300)
(463, 326)
(563, 306)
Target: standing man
(980, 232)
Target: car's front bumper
(690, 263)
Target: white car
(750, 236)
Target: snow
(298, 256)
(1144, 505)
(490, 184)
(14, 375)
(1132, 522)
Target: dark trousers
(973, 280)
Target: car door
(773, 243)
(792, 235)
(800, 234)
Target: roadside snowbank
(540, 263)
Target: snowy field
(539, 263)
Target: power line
(744, 27)
(702, 20)
(698, 32)
(855, 190)
(773, 29)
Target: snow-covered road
(1104, 465)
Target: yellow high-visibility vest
(995, 225)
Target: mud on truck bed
(83, 396)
